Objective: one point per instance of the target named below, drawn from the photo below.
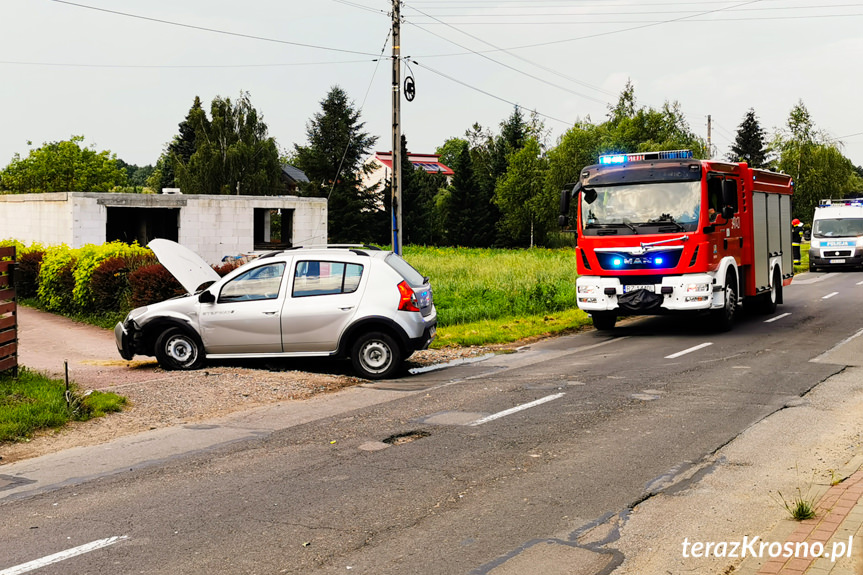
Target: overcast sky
(124, 81)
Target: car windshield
(838, 228)
(656, 207)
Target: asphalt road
(445, 476)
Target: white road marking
(828, 296)
(512, 410)
(62, 556)
(772, 319)
(826, 353)
(860, 283)
(685, 351)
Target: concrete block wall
(36, 218)
(88, 220)
(211, 226)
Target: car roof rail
(336, 246)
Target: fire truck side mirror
(569, 190)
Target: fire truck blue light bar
(611, 159)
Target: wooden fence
(8, 313)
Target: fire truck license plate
(837, 261)
(629, 288)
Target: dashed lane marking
(512, 410)
(62, 556)
(690, 350)
(828, 296)
(772, 319)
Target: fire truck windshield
(649, 208)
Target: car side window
(258, 283)
(326, 278)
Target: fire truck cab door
(723, 201)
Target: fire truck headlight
(691, 288)
(587, 289)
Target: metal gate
(8, 313)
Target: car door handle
(270, 312)
(349, 308)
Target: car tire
(376, 355)
(177, 349)
(603, 320)
(723, 318)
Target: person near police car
(796, 238)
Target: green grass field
(498, 296)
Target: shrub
(88, 259)
(109, 284)
(27, 273)
(151, 284)
(56, 282)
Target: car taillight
(407, 299)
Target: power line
(640, 13)
(213, 30)
(523, 59)
(513, 68)
(489, 94)
(180, 66)
(610, 32)
(595, 22)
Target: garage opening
(142, 224)
(273, 228)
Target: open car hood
(184, 264)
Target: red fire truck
(661, 232)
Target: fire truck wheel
(603, 320)
(723, 318)
(774, 296)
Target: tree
(228, 153)
(814, 161)
(460, 209)
(749, 143)
(523, 199)
(63, 166)
(333, 162)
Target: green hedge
(88, 279)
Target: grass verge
(507, 330)
(31, 402)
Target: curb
(838, 520)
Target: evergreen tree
(460, 209)
(749, 145)
(333, 162)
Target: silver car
(363, 303)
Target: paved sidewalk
(837, 529)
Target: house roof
(429, 162)
(294, 174)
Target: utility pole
(709, 140)
(397, 131)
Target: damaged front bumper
(637, 296)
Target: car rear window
(326, 278)
(413, 277)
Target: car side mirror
(206, 296)
(728, 212)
